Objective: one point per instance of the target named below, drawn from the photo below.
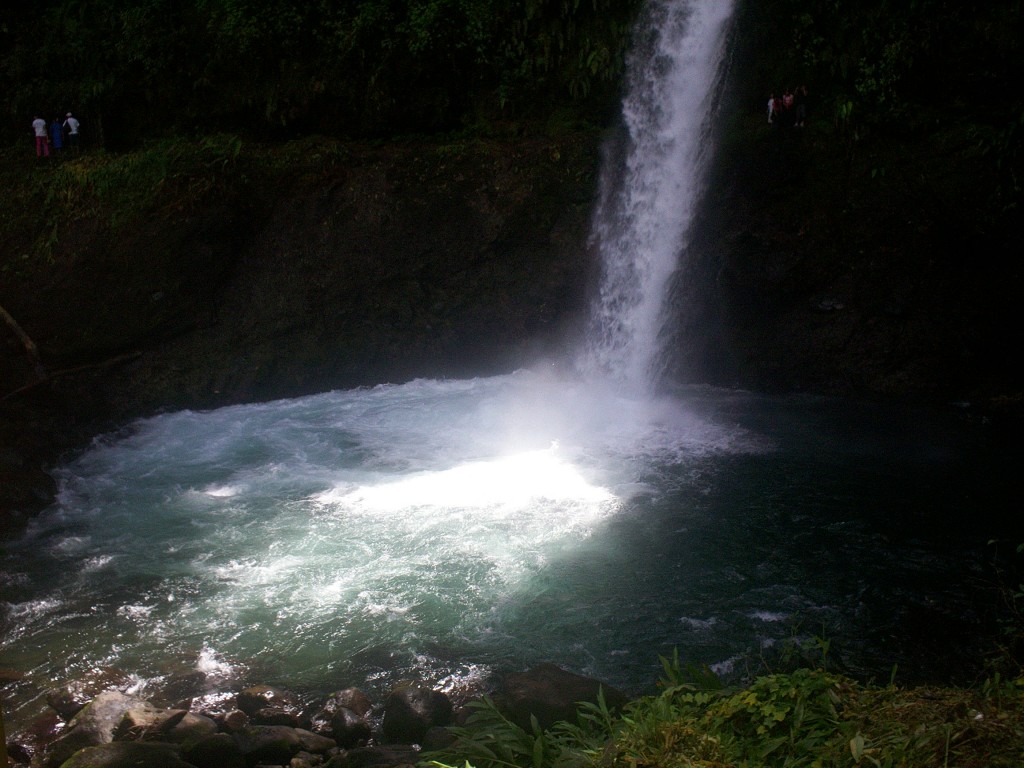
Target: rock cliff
(857, 266)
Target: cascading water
(645, 209)
(445, 530)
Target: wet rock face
(115, 729)
(267, 705)
(95, 724)
(128, 755)
(218, 750)
(274, 744)
(344, 717)
(69, 699)
(412, 710)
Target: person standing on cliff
(42, 140)
(73, 126)
(788, 113)
(56, 135)
(800, 106)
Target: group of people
(788, 108)
(58, 134)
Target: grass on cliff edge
(808, 717)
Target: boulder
(551, 694)
(233, 721)
(349, 729)
(275, 744)
(143, 720)
(344, 717)
(191, 728)
(128, 754)
(306, 760)
(314, 742)
(69, 700)
(95, 724)
(350, 698)
(411, 710)
(267, 705)
(218, 750)
(372, 757)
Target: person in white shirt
(42, 139)
(72, 124)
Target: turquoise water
(452, 530)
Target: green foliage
(140, 67)
(137, 68)
(381, 67)
(1002, 145)
(576, 45)
(134, 183)
(874, 64)
(1008, 659)
(491, 740)
(115, 190)
(792, 715)
(687, 675)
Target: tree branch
(65, 371)
(26, 341)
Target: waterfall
(647, 200)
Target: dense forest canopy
(346, 68)
(136, 68)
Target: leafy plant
(1008, 659)
(491, 740)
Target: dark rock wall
(876, 263)
(809, 269)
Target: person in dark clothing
(800, 106)
(57, 134)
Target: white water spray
(646, 208)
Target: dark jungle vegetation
(882, 68)
(354, 68)
(137, 68)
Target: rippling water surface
(450, 529)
